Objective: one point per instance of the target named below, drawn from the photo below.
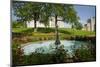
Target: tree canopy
(27, 11)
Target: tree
(67, 12)
(54, 10)
(34, 9)
(42, 12)
(17, 24)
(20, 12)
(28, 11)
(78, 26)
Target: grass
(18, 30)
(77, 32)
(51, 31)
(24, 35)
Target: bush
(17, 55)
(38, 57)
(59, 55)
(85, 54)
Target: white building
(93, 24)
(51, 23)
(90, 25)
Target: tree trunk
(35, 28)
(57, 41)
(25, 25)
(90, 26)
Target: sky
(83, 11)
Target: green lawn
(77, 32)
(24, 35)
(44, 31)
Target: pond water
(48, 46)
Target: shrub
(17, 55)
(84, 54)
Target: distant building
(90, 25)
(51, 23)
(93, 24)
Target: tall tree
(21, 12)
(34, 9)
(42, 12)
(28, 11)
(66, 12)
